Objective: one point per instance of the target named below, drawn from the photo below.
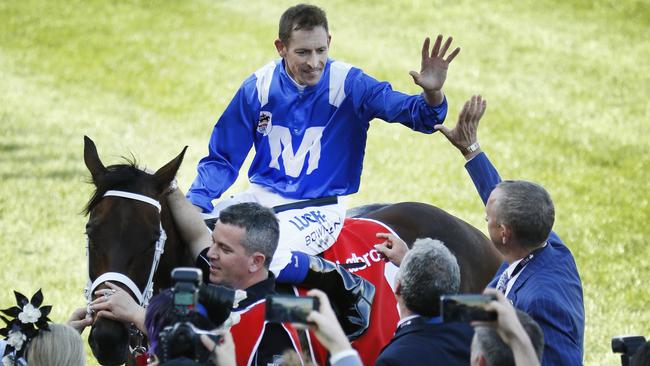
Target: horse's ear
(91, 158)
(166, 174)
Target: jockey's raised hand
(433, 69)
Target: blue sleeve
(483, 174)
(296, 270)
(374, 99)
(231, 140)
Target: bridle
(143, 296)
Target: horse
(123, 231)
(477, 257)
(129, 233)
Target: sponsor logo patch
(264, 123)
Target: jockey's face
(305, 54)
(229, 262)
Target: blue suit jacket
(549, 287)
(418, 342)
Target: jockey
(308, 116)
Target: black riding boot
(351, 296)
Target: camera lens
(218, 301)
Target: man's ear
(329, 39)
(398, 286)
(506, 234)
(256, 262)
(279, 46)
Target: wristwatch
(473, 147)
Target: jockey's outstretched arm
(189, 222)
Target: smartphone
(466, 308)
(289, 308)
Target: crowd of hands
(325, 326)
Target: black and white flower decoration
(24, 321)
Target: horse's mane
(116, 176)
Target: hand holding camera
(467, 308)
(289, 308)
(325, 325)
(509, 327)
(505, 320)
(314, 312)
(196, 308)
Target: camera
(196, 309)
(466, 308)
(187, 282)
(627, 346)
(289, 309)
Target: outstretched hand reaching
(463, 135)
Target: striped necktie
(502, 284)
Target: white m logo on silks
(293, 163)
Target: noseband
(144, 296)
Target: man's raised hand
(464, 135)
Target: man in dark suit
(540, 275)
(426, 272)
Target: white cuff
(340, 355)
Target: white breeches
(310, 230)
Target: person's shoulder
(558, 263)
(265, 72)
(440, 341)
(424, 333)
(267, 69)
(456, 334)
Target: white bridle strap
(134, 196)
(121, 278)
(144, 296)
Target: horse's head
(125, 235)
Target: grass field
(567, 84)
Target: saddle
(354, 249)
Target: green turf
(566, 82)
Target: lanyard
(524, 261)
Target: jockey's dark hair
(261, 225)
(301, 16)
